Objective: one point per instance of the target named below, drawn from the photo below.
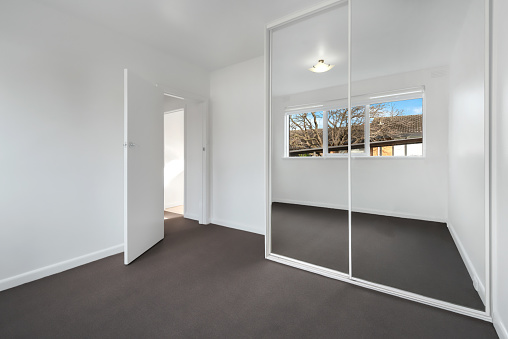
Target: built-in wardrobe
(378, 147)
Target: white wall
(174, 159)
(414, 188)
(61, 131)
(466, 166)
(500, 166)
(173, 104)
(238, 146)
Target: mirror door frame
(483, 315)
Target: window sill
(416, 157)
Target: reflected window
(338, 131)
(306, 134)
(394, 129)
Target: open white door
(143, 166)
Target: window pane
(338, 131)
(415, 150)
(387, 151)
(399, 150)
(306, 134)
(395, 124)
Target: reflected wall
(418, 190)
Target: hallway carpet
(213, 282)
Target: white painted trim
(303, 13)
(312, 204)
(362, 210)
(191, 216)
(268, 141)
(125, 160)
(380, 288)
(500, 328)
(232, 224)
(178, 110)
(496, 243)
(58, 267)
(469, 264)
(175, 204)
(185, 160)
(176, 92)
(205, 162)
(487, 158)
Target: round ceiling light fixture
(321, 67)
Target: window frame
(362, 100)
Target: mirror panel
(417, 170)
(309, 182)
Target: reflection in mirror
(308, 127)
(418, 193)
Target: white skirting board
(173, 204)
(362, 210)
(59, 267)
(191, 216)
(477, 283)
(237, 226)
(500, 328)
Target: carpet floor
(213, 282)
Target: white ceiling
(209, 33)
(216, 33)
(299, 45)
(388, 37)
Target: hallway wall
(174, 159)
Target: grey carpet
(213, 282)
(315, 235)
(170, 215)
(412, 255)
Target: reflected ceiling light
(321, 67)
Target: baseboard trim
(467, 261)
(500, 328)
(58, 267)
(230, 224)
(176, 204)
(362, 210)
(311, 203)
(191, 216)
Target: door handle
(131, 145)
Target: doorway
(144, 163)
(174, 159)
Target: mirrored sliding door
(309, 179)
(418, 147)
